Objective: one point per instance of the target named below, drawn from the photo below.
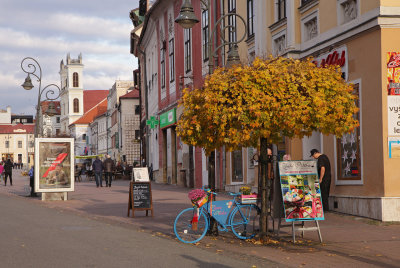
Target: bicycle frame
(221, 211)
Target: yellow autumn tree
(247, 105)
(268, 99)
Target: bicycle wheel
(245, 221)
(183, 226)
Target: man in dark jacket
(8, 167)
(109, 167)
(324, 174)
(97, 167)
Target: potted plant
(247, 197)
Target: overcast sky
(48, 30)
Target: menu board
(141, 195)
(301, 190)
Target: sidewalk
(348, 241)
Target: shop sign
(335, 57)
(393, 73)
(168, 118)
(393, 103)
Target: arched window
(76, 105)
(75, 79)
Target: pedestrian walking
(1, 171)
(109, 168)
(8, 167)
(324, 174)
(97, 168)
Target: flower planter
(201, 202)
(249, 199)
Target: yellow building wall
(364, 61)
(387, 3)
(390, 43)
(327, 14)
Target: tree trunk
(263, 162)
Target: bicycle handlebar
(234, 194)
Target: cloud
(48, 30)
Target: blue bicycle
(243, 219)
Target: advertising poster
(140, 174)
(54, 169)
(393, 73)
(301, 190)
(394, 147)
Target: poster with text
(54, 167)
(300, 190)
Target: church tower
(71, 75)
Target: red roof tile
(134, 94)
(11, 129)
(90, 115)
(92, 97)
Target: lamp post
(32, 67)
(187, 20)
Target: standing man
(324, 174)
(8, 167)
(109, 167)
(97, 168)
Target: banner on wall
(301, 190)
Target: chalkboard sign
(140, 197)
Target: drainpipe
(145, 103)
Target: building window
(57, 119)
(137, 134)
(137, 109)
(250, 18)
(57, 131)
(281, 9)
(171, 48)
(84, 137)
(114, 118)
(7, 144)
(232, 22)
(162, 64)
(237, 168)
(188, 50)
(205, 33)
(19, 144)
(76, 105)
(75, 80)
(348, 150)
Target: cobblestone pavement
(348, 241)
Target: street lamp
(31, 68)
(187, 19)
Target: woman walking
(8, 167)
